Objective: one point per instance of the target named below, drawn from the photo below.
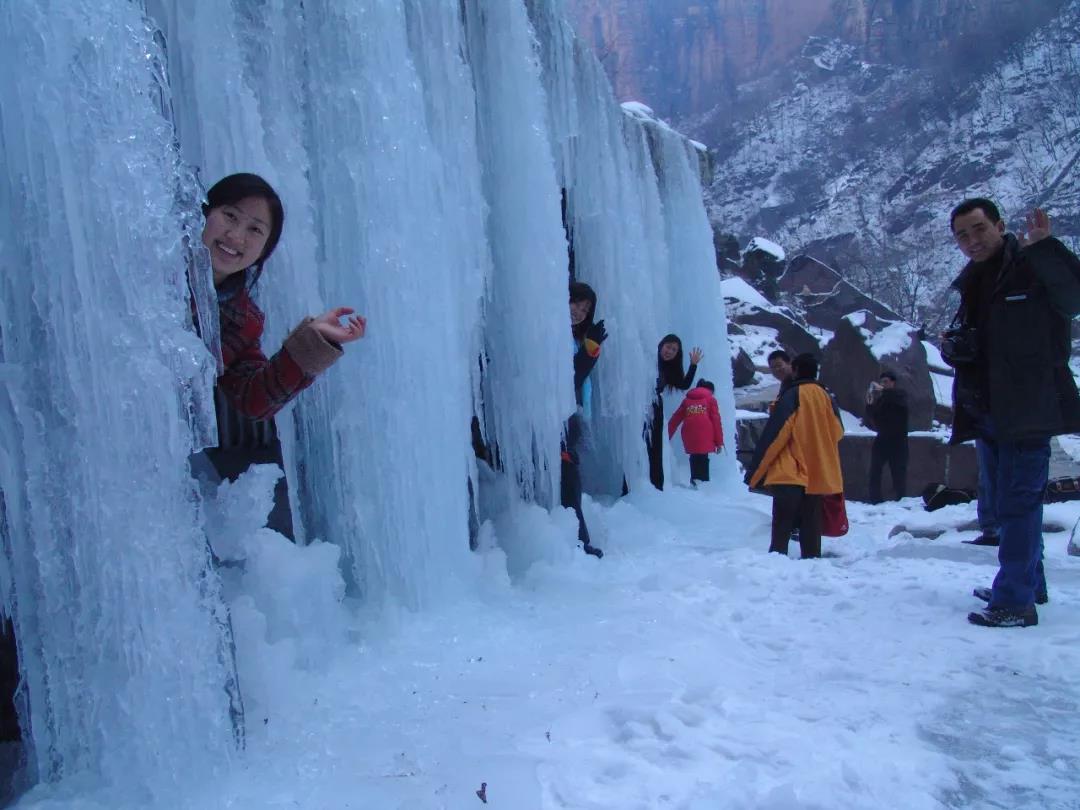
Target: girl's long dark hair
(236, 187)
(580, 291)
(670, 373)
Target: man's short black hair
(781, 354)
(703, 383)
(975, 204)
(804, 367)
(889, 374)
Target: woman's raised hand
(329, 325)
(695, 355)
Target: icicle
(120, 648)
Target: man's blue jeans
(987, 512)
(1019, 473)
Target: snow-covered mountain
(848, 129)
(861, 163)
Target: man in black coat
(887, 413)
(1010, 345)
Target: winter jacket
(256, 386)
(1025, 344)
(699, 416)
(799, 443)
(888, 415)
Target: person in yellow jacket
(797, 458)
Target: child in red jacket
(702, 433)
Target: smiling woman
(244, 218)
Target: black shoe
(984, 539)
(596, 552)
(1004, 617)
(984, 594)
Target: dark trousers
(792, 507)
(1018, 472)
(986, 452)
(895, 454)
(699, 467)
(654, 444)
(570, 484)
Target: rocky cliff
(707, 63)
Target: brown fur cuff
(311, 351)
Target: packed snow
(688, 668)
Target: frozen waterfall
(421, 148)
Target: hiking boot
(985, 593)
(984, 539)
(1005, 617)
(593, 550)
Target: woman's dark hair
(236, 187)
(580, 291)
(670, 372)
(804, 367)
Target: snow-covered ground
(689, 669)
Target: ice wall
(638, 240)
(420, 148)
(105, 570)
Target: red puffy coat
(699, 416)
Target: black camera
(960, 346)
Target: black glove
(597, 333)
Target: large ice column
(696, 297)
(437, 44)
(609, 201)
(528, 346)
(391, 478)
(105, 569)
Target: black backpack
(1062, 489)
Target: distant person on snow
(669, 377)
(702, 432)
(244, 219)
(797, 458)
(588, 335)
(1010, 345)
(887, 413)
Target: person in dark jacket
(244, 219)
(1010, 345)
(702, 431)
(780, 367)
(887, 413)
(588, 335)
(669, 377)
(797, 458)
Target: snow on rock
(639, 110)
(765, 246)
(740, 290)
